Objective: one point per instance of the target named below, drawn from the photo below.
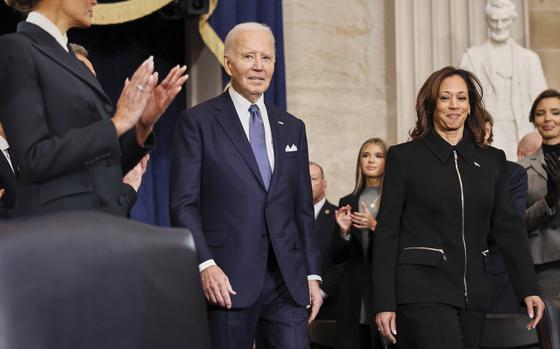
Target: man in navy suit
(240, 182)
(504, 300)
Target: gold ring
(141, 88)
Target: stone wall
(336, 80)
(544, 27)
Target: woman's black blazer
(435, 215)
(355, 280)
(57, 122)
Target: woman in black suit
(352, 246)
(443, 193)
(70, 145)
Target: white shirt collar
(3, 144)
(48, 26)
(318, 206)
(241, 103)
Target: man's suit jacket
(8, 182)
(325, 228)
(503, 295)
(217, 192)
(57, 121)
(541, 222)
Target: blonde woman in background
(353, 246)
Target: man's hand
(386, 322)
(216, 286)
(534, 303)
(315, 299)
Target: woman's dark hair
(550, 93)
(428, 96)
(23, 6)
(488, 118)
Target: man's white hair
(231, 37)
(492, 5)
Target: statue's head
(500, 15)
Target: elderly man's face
(251, 63)
(500, 20)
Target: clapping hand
(134, 96)
(343, 218)
(134, 176)
(160, 98)
(363, 220)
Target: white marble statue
(511, 77)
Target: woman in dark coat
(443, 193)
(353, 246)
(70, 144)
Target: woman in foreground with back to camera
(443, 193)
(70, 145)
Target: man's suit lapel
(278, 139)
(47, 45)
(227, 118)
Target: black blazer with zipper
(439, 205)
(57, 122)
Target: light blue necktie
(258, 144)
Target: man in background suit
(504, 300)
(240, 183)
(325, 228)
(8, 178)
